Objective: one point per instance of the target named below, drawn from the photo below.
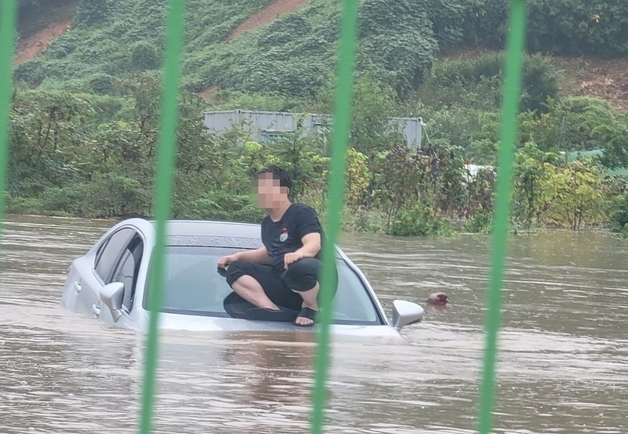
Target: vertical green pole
(8, 10)
(510, 109)
(340, 138)
(163, 193)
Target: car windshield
(194, 286)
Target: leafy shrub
(363, 220)
(565, 27)
(71, 200)
(619, 213)
(597, 27)
(571, 123)
(396, 36)
(283, 31)
(24, 205)
(101, 84)
(93, 12)
(449, 21)
(576, 197)
(31, 73)
(481, 78)
(145, 56)
(114, 195)
(614, 138)
(482, 222)
(418, 220)
(108, 195)
(221, 206)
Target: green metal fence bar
(340, 138)
(510, 109)
(163, 194)
(8, 10)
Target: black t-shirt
(284, 236)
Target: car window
(194, 286)
(111, 252)
(127, 270)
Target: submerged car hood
(179, 322)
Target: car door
(126, 271)
(101, 268)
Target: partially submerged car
(110, 282)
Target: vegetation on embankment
(83, 142)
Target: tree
(615, 141)
(577, 199)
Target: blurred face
(270, 195)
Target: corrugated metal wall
(260, 124)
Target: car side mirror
(111, 295)
(406, 313)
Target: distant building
(266, 126)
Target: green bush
(481, 222)
(145, 56)
(564, 27)
(30, 73)
(572, 27)
(614, 137)
(71, 200)
(93, 12)
(108, 195)
(101, 84)
(571, 122)
(24, 205)
(619, 213)
(477, 81)
(418, 220)
(221, 206)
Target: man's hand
(290, 258)
(311, 247)
(226, 260)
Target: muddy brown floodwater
(562, 364)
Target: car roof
(212, 228)
(213, 233)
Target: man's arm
(259, 256)
(311, 245)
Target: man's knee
(235, 270)
(303, 274)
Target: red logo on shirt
(284, 235)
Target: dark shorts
(282, 289)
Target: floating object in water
(438, 299)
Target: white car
(110, 282)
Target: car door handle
(77, 287)
(95, 311)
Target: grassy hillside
(400, 39)
(113, 38)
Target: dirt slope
(33, 45)
(605, 79)
(268, 14)
(265, 16)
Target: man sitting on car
(284, 272)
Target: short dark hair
(278, 173)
